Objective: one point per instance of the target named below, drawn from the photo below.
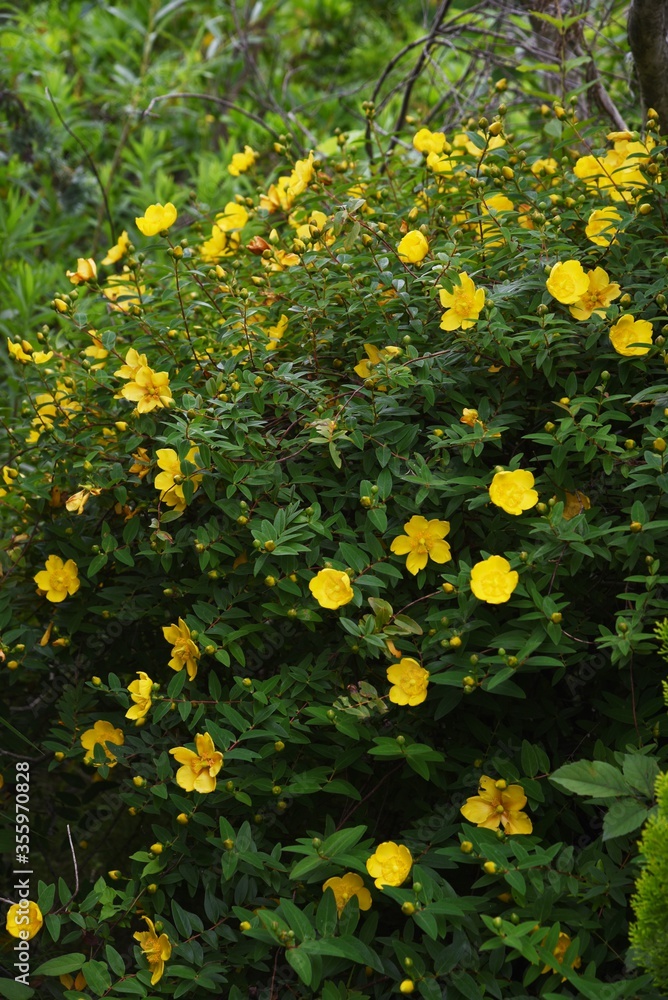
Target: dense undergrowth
(334, 496)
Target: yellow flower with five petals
(463, 304)
(345, 888)
(498, 804)
(423, 541)
(199, 769)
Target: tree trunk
(648, 40)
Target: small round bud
(228, 844)
(635, 526)
(138, 781)
(497, 922)
(156, 848)
(417, 886)
(182, 818)
(247, 682)
(270, 581)
(455, 642)
(152, 888)
(490, 867)
(114, 875)
(629, 444)
(406, 986)
(556, 618)
(466, 847)
(59, 755)
(244, 926)
(659, 444)
(279, 746)
(96, 681)
(407, 909)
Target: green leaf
(623, 817)
(641, 773)
(60, 966)
(97, 977)
(346, 947)
(326, 917)
(297, 920)
(12, 990)
(301, 963)
(116, 963)
(594, 778)
(96, 564)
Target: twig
(216, 100)
(91, 163)
(438, 20)
(74, 862)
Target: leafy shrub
(375, 464)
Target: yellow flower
(390, 864)
(493, 581)
(628, 331)
(331, 588)
(73, 983)
(184, 653)
(199, 770)
(567, 282)
(374, 358)
(58, 579)
(233, 217)
(497, 204)
(140, 692)
(41, 357)
(513, 491)
(24, 920)
(598, 296)
(410, 682)
(442, 164)
(218, 245)
(278, 196)
(142, 463)
(18, 352)
(301, 175)
(575, 503)
(463, 304)
(495, 142)
(276, 332)
(426, 141)
(133, 362)
(469, 417)
(86, 271)
(78, 501)
(149, 389)
(119, 250)
(547, 166)
(281, 260)
(101, 734)
(241, 162)
(121, 295)
(172, 491)
(423, 541)
(563, 944)
(601, 228)
(345, 888)
(413, 248)
(493, 806)
(157, 949)
(156, 219)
